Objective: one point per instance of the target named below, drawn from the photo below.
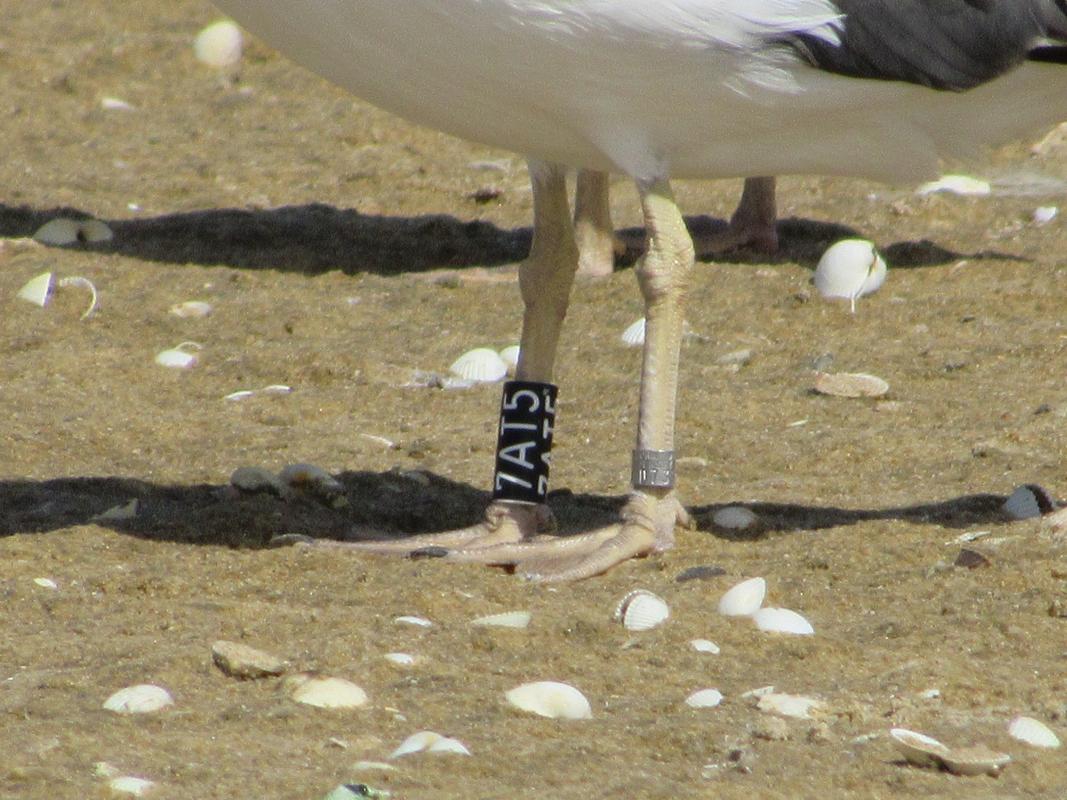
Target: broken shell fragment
(142, 698)
(130, 785)
(219, 44)
(241, 661)
(550, 699)
(508, 619)
(641, 610)
(782, 620)
(429, 742)
(36, 290)
(1033, 732)
(918, 748)
(510, 357)
(400, 659)
(420, 622)
(704, 646)
(481, 365)
(1029, 501)
(788, 705)
(191, 309)
(744, 599)
(634, 335)
(323, 692)
(177, 357)
(704, 698)
(82, 283)
(957, 184)
(850, 269)
(850, 384)
(975, 760)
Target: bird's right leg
(593, 230)
(754, 224)
(545, 280)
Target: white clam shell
(957, 184)
(976, 760)
(115, 104)
(507, 619)
(788, 705)
(782, 620)
(735, 518)
(178, 357)
(550, 699)
(918, 748)
(1028, 502)
(63, 231)
(429, 742)
(744, 599)
(704, 646)
(641, 610)
(1044, 214)
(324, 692)
(46, 583)
(704, 698)
(191, 309)
(1032, 731)
(219, 44)
(142, 698)
(481, 365)
(634, 335)
(133, 786)
(850, 269)
(850, 384)
(510, 357)
(420, 622)
(36, 290)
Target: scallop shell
(704, 698)
(550, 699)
(429, 742)
(744, 599)
(1029, 501)
(324, 692)
(850, 384)
(510, 357)
(1032, 731)
(143, 698)
(219, 44)
(788, 705)
(641, 610)
(480, 364)
(634, 335)
(36, 290)
(850, 269)
(508, 619)
(918, 748)
(782, 620)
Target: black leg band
(524, 441)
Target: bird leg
(753, 224)
(593, 230)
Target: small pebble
(702, 572)
(241, 661)
(736, 518)
(143, 698)
(971, 559)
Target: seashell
(782, 620)
(736, 518)
(429, 742)
(128, 784)
(63, 231)
(82, 283)
(1029, 501)
(277, 388)
(1044, 214)
(323, 692)
(975, 760)
(788, 705)
(704, 646)
(115, 104)
(510, 357)
(401, 659)
(550, 699)
(118, 513)
(140, 699)
(1032, 731)
(957, 184)
(241, 661)
(191, 309)
(481, 365)
(919, 749)
(850, 384)
(508, 619)
(758, 692)
(704, 698)
(744, 599)
(641, 611)
(176, 357)
(46, 583)
(409, 620)
(36, 290)
(634, 335)
(219, 44)
(850, 269)
(242, 394)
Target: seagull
(655, 90)
(753, 224)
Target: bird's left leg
(593, 230)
